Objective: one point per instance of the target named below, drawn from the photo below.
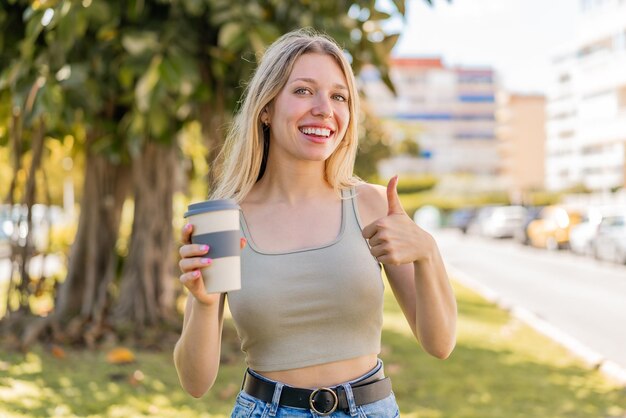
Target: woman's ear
(265, 116)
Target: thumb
(393, 200)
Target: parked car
(475, 224)
(552, 228)
(498, 221)
(521, 234)
(610, 240)
(428, 217)
(581, 236)
(461, 218)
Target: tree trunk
(212, 118)
(147, 292)
(15, 136)
(82, 300)
(26, 251)
(22, 251)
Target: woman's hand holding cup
(194, 257)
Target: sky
(516, 37)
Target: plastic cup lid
(211, 206)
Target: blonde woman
(309, 313)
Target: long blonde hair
(242, 159)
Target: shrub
(446, 203)
(409, 184)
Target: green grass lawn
(500, 368)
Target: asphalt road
(582, 297)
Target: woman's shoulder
(372, 201)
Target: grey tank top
(311, 306)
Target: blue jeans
(247, 406)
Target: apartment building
(563, 149)
(586, 111)
(521, 136)
(448, 111)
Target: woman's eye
(340, 98)
(302, 91)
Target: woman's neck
(290, 183)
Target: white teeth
(316, 131)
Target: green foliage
(416, 184)
(413, 201)
(578, 188)
(133, 71)
(408, 184)
(62, 163)
(5, 171)
(374, 146)
(408, 147)
(543, 198)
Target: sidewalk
(592, 358)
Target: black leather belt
(323, 401)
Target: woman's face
(309, 117)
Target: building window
(475, 78)
(605, 44)
(586, 4)
(476, 98)
(598, 95)
(564, 115)
(619, 41)
(621, 97)
(474, 135)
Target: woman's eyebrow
(312, 81)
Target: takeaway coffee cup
(216, 224)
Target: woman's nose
(323, 107)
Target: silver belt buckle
(312, 401)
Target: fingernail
(205, 248)
(196, 273)
(206, 261)
(187, 227)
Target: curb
(592, 358)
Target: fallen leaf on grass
(120, 355)
(57, 352)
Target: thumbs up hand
(393, 200)
(395, 238)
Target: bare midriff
(325, 375)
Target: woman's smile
(317, 134)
